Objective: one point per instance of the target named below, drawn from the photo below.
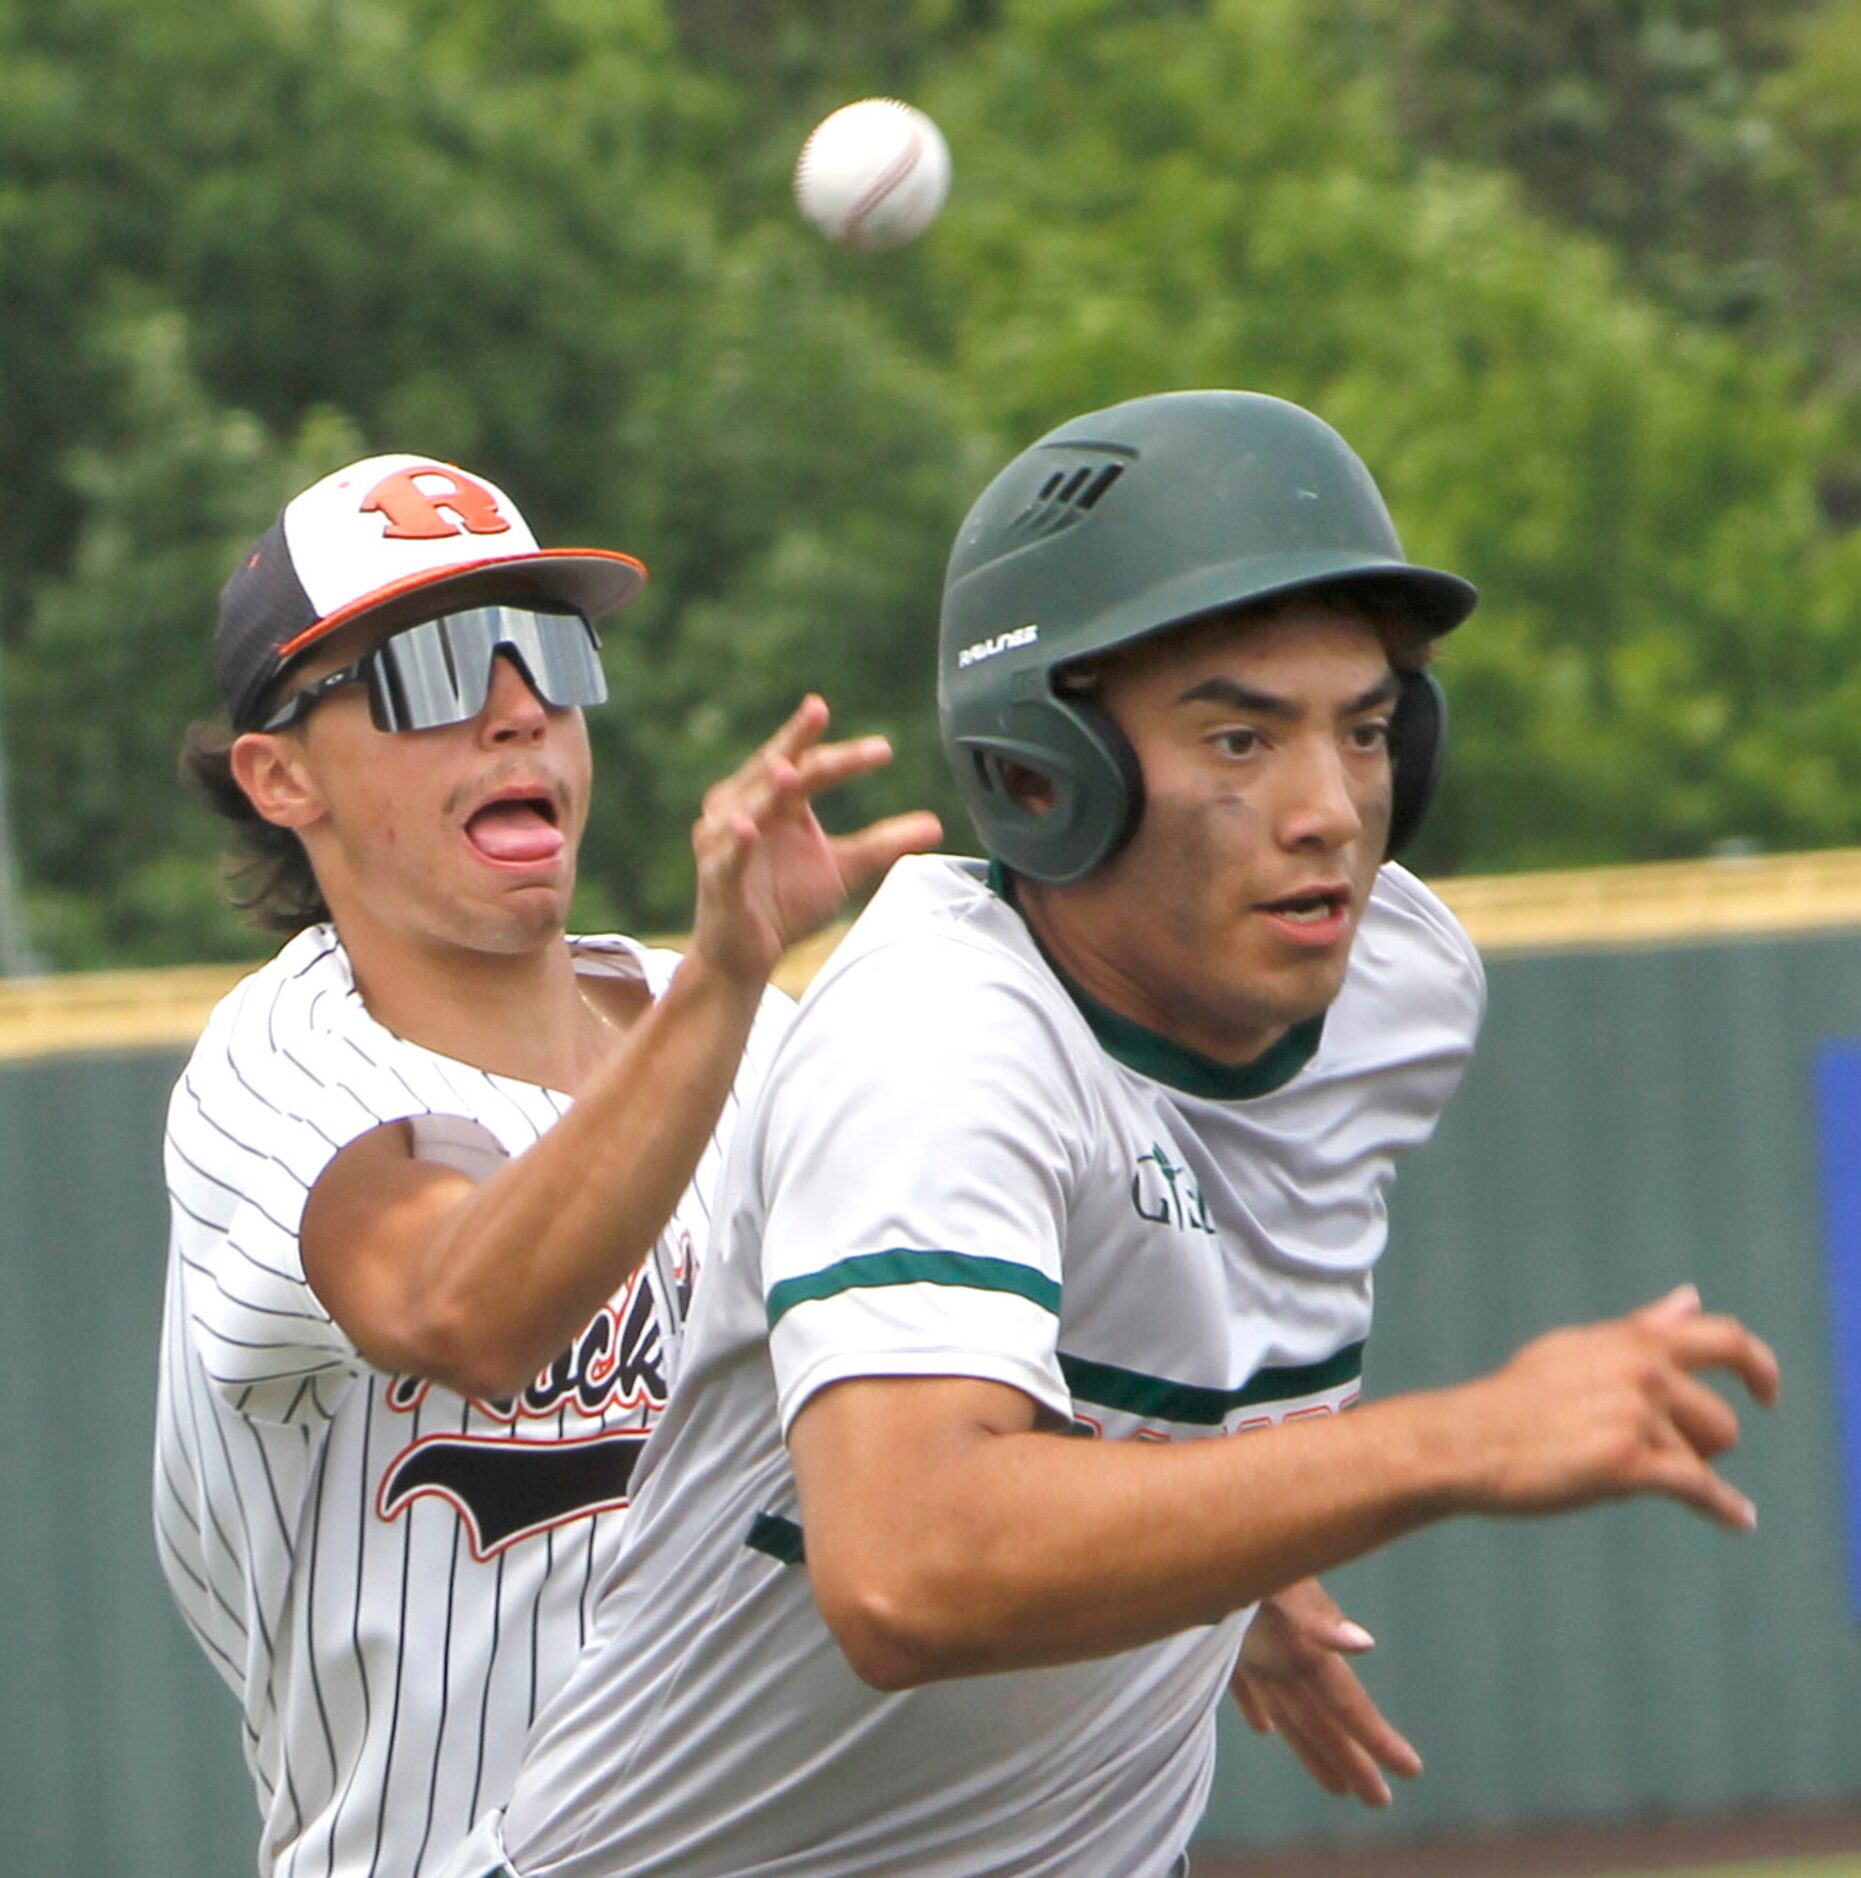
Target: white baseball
(873, 174)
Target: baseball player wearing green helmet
(1047, 572)
(1075, 1164)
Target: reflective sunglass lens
(439, 672)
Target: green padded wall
(119, 1749)
(1634, 1119)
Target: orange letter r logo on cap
(413, 515)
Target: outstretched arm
(479, 1285)
(946, 1536)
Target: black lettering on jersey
(507, 1490)
(618, 1361)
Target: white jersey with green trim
(960, 1166)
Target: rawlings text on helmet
(1002, 642)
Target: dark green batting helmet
(1127, 522)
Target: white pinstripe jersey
(391, 1578)
(959, 1166)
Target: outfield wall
(1641, 1112)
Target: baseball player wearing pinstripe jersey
(1067, 1170)
(440, 1174)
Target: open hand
(1605, 1410)
(1294, 1680)
(768, 873)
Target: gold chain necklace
(601, 1017)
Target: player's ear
(1028, 787)
(274, 771)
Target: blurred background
(1577, 278)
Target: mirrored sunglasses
(439, 672)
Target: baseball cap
(399, 538)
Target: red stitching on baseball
(888, 180)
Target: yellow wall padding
(1586, 909)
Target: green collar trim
(1175, 1065)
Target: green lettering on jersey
(1176, 1202)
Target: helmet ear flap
(1096, 789)
(1417, 755)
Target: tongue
(514, 831)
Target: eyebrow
(1238, 697)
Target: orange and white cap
(398, 539)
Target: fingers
(1605, 1410)
(1719, 1342)
(1680, 1303)
(873, 849)
(797, 747)
(1679, 1472)
(794, 766)
(1706, 1421)
(1293, 1680)
(1341, 1738)
(775, 769)
(802, 729)
(833, 763)
(1248, 1700)
(724, 836)
(1341, 1634)
(1699, 1341)
(1696, 1423)
(1336, 1707)
(1322, 1766)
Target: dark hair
(1385, 606)
(1407, 639)
(267, 873)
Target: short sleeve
(253, 1123)
(924, 1132)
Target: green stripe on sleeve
(870, 1270)
(1105, 1385)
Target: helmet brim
(1424, 597)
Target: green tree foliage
(1642, 121)
(241, 244)
(1711, 143)
(1220, 199)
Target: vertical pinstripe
(387, 1677)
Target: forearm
(521, 1263)
(945, 1538)
(1019, 1550)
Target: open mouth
(517, 831)
(1309, 909)
(1317, 917)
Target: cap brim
(592, 581)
